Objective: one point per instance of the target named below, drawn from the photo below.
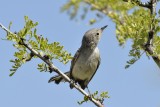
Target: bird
(86, 60)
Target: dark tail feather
(57, 79)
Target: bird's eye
(97, 33)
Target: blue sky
(138, 86)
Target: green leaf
(11, 74)
(10, 24)
(86, 98)
(95, 95)
(92, 21)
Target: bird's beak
(103, 27)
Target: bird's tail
(57, 79)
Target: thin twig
(54, 68)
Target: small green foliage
(38, 43)
(95, 95)
(136, 54)
(10, 24)
(72, 8)
(85, 99)
(17, 64)
(92, 21)
(42, 67)
(130, 62)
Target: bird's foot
(72, 82)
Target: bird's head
(92, 37)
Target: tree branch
(54, 68)
(149, 44)
(152, 8)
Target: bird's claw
(72, 82)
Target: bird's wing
(99, 61)
(74, 61)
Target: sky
(138, 86)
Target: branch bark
(54, 68)
(149, 44)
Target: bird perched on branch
(86, 60)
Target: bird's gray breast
(86, 65)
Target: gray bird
(86, 60)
